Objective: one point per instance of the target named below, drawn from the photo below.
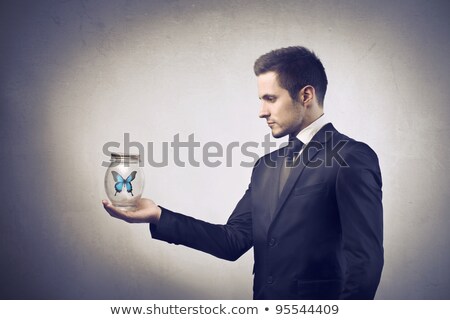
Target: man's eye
(271, 99)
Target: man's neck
(308, 133)
(308, 122)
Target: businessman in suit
(312, 211)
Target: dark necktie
(292, 151)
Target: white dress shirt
(308, 133)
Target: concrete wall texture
(77, 74)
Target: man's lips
(270, 123)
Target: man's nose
(264, 111)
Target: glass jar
(124, 180)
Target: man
(312, 211)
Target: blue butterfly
(120, 182)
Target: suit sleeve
(359, 195)
(228, 241)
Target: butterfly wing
(128, 182)
(119, 181)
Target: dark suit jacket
(320, 239)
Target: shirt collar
(309, 132)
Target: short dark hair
(296, 67)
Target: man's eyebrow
(267, 97)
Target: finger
(125, 215)
(142, 202)
(115, 212)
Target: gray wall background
(77, 74)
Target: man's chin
(278, 134)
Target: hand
(146, 212)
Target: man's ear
(307, 94)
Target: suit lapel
(276, 181)
(270, 179)
(265, 188)
(309, 153)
